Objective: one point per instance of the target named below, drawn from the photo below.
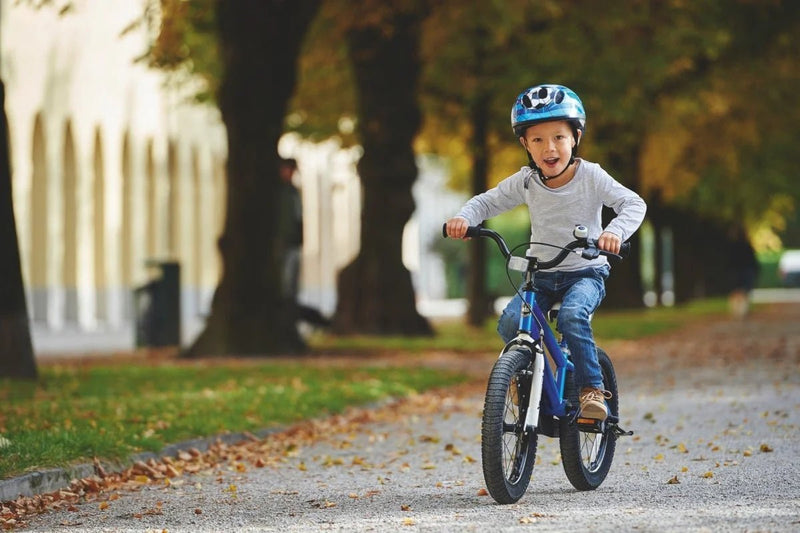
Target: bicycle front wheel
(507, 450)
(586, 455)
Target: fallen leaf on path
(452, 449)
(531, 518)
(326, 504)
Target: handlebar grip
(624, 251)
(472, 231)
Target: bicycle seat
(552, 314)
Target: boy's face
(550, 145)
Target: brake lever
(590, 253)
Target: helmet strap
(544, 179)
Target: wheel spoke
(510, 437)
(587, 455)
(591, 446)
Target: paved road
(715, 409)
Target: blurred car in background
(789, 268)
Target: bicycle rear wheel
(586, 455)
(507, 450)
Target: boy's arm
(629, 207)
(508, 194)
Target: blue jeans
(580, 293)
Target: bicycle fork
(535, 396)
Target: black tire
(507, 451)
(587, 456)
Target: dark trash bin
(158, 307)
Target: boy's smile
(550, 145)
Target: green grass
(453, 335)
(639, 323)
(75, 413)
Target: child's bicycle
(524, 401)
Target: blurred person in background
(744, 271)
(290, 227)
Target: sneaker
(593, 403)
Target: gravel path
(716, 411)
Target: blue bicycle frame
(552, 382)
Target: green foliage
(73, 413)
(473, 56)
(768, 275)
(687, 101)
(515, 227)
(186, 43)
(324, 104)
(690, 103)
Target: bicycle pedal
(589, 425)
(619, 432)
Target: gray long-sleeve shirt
(555, 212)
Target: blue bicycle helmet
(544, 103)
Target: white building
(112, 168)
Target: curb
(53, 479)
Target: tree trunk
(479, 305)
(260, 42)
(375, 294)
(624, 285)
(701, 258)
(16, 350)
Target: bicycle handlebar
(590, 250)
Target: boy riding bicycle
(561, 191)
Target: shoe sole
(594, 412)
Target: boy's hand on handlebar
(608, 242)
(456, 228)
